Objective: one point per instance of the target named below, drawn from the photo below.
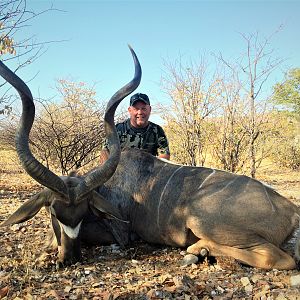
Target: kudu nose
(69, 253)
(67, 261)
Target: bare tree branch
(15, 17)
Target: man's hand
(165, 156)
(103, 156)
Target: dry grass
(139, 272)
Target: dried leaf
(4, 292)
(28, 297)
(67, 289)
(56, 294)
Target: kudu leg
(265, 256)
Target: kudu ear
(29, 209)
(102, 208)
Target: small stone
(203, 252)
(295, 280)
(188, 260)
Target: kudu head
(67, 198)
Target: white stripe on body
(223, 188)
(169, 161)
(268, 197)
(212, 173)
(161, 196)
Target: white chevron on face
(69, 231)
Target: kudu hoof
(189, 259)
(59, 265)
(204, 252)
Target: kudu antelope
(164, 203)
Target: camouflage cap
(139, 97)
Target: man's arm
(165, 156)
(104, 154)
(163, 144)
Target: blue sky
(96, 35)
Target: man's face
(139, 114)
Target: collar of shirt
(137, 130)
